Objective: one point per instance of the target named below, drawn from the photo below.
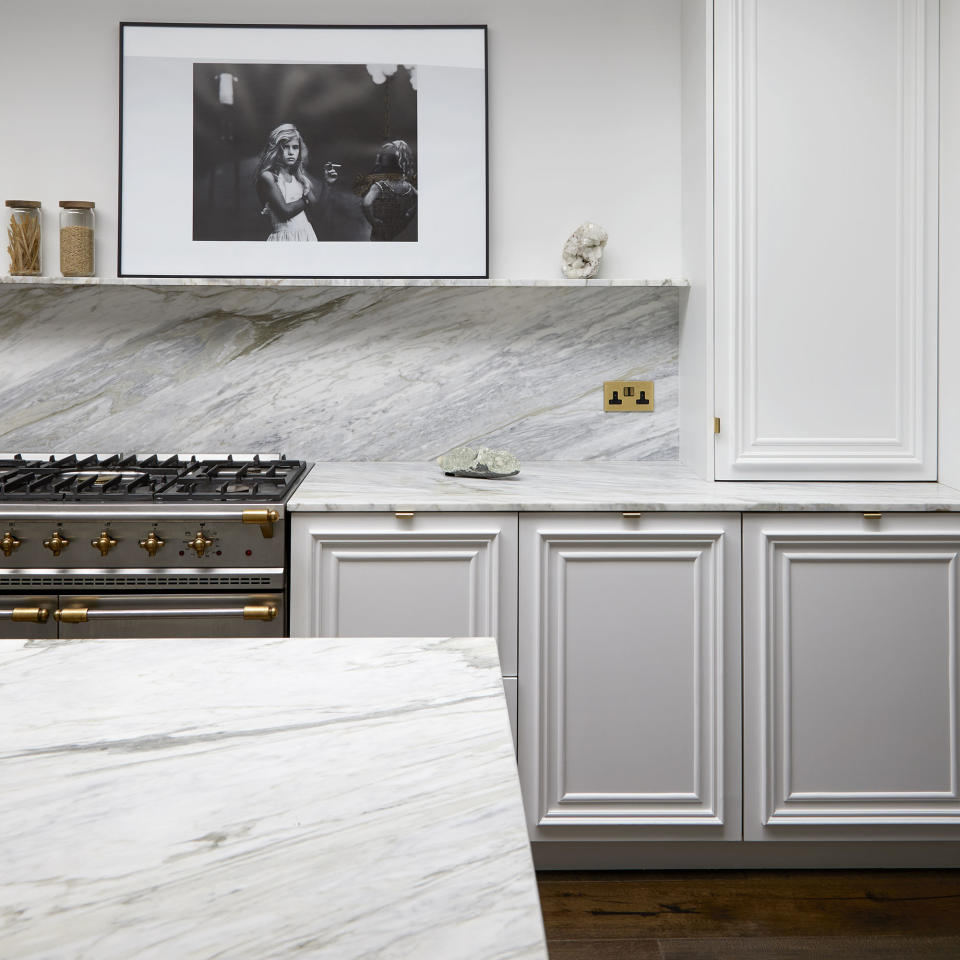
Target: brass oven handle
(9, 543)
(265, 518)
(26, 614)
(85, 614)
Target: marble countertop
(594, 485)
(200, 798)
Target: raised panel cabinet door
(425, 575)
(826, 237)
(629, 676)
(851, 646)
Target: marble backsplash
(336, 373)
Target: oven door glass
(172, 615)
(27, 617)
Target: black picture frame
(208, 176)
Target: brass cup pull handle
(152, 544)
(56, 544)
(9, 543)
(104, 543)
(872, 516)
(25, 614)
(267, 611)
(264, 518)
(199, 544)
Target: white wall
(584, 115)
(949, 243)
(696, 304)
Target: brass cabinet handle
(404, 514)
(9, 543)
(84, 614)
(265, 518)
(104, 543)
(872, 516)
(199, 544)
(25, 614)
(57, 543)
(631, 515)
(152, 544)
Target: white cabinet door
(826, 195)
(851, 676)
(429, 575)
(629, 679)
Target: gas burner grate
(127, 477)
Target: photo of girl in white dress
(256, 180)
(285, 189)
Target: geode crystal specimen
(484, 463)
(583, 251)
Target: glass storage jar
(76, 238)
(23, 238)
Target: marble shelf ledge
(329, 282)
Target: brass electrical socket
(621, 396)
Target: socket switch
(621, 396)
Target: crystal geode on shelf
(583, 251)
(483, 463)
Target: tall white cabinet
(825, 238)
(851, 676)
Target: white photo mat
(156, 151)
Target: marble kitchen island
(199, 798)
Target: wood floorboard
(802, 948)
(605, 950)
(713, 905)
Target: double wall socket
(635, 396)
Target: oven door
(27, 617)
(172, 615)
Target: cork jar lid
(78, 204)
(23, 203)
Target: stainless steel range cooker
(144, 546)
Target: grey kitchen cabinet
(422, 574)
(851, 660)
(621, 646)
(629, 682)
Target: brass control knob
(9, 543)
(103, 543)
(153, 543)
(199, 544)
(56, 543)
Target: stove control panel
(119, 542)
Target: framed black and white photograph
(302, 151)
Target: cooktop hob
(151, 478)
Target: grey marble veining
(565, 486)
(337, 372)
(195, 798)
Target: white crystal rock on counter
(583, 251)
(484, 463)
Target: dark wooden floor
(758, 914)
